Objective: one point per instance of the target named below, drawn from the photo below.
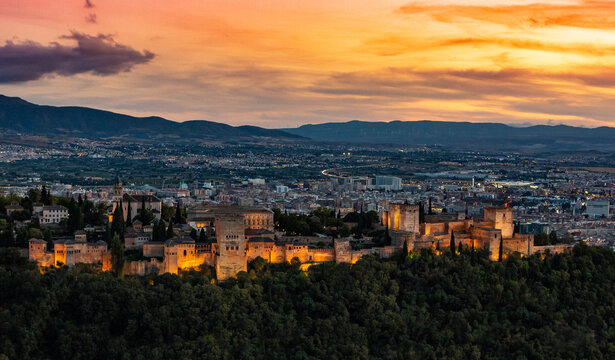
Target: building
(50, 214)
(598, 208)
(135, 202)
(237, 235)
(389, 183)
(70, 252)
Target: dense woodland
(421, 306)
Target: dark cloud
(91, 18)
(99, 55)
(89, 4)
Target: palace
(237, 234)
(135, 202)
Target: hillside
(459, 134)
(24, 117)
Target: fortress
(237, 235)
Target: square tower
(502, 219)
(231, 257)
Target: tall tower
(231, 257)
(118, 190)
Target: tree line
(420, 306)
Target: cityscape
(322, 180)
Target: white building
(52, 214)
(387, 183)
(281, 189)
(597, 208)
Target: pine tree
(501, 250)
(117, 256)
(170, 233)
(452, 245)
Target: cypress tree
(438, 245)
(202, 236)
(460, 247)
(117, 256)
(193, 235)
(162, 231)
(472, 251)
(501, 250)
(178, 214)
(117, 226)
(129, 214)
(452, 246)
(107, 237)
(170, 233)
(430, 211)
(10, 233)
(48, 238)
(421, 213)
(143, 209)
(155, 232)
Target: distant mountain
(464, 134)
(20, 116)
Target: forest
(420, 306)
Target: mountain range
(20, 116)
(463, 134)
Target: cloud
(91, 18)
(99, 55)
(591, 14)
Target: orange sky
(283, 63)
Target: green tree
(501, 249)
(178, 215)
(170, 234)
(117, 226)
(452, 244)
(117, 256)
(48, 238)
(129, 214)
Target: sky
(284, 63)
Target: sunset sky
(284, 63)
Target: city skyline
(282, 64)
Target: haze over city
(281, 63)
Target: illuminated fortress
(236, 235)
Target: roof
(55, 207)
(261, 239)
(39, 241)
(258, 232)
(135, 198)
